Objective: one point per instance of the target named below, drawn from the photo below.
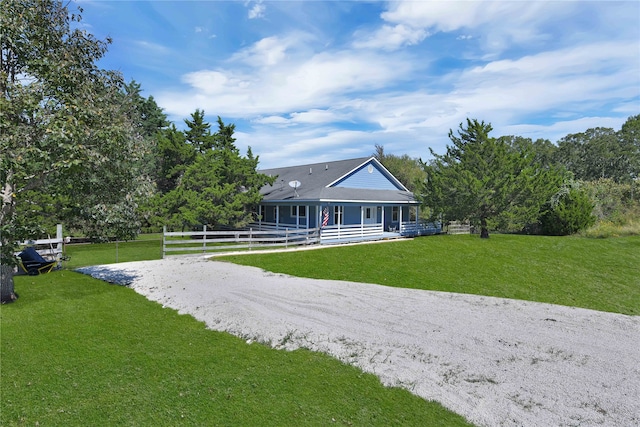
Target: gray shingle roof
(314, 179)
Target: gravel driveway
(498, 362)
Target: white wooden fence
(219, 241)
(420, 228)
(456, 227)
(50, 248)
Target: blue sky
(314, 81)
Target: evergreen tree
(198, 133)
(484, 180)
(174, 155)
(219, 188)
(569, 211)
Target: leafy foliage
(207, 181)
(408, 170)
(603, 153)
(65, 123)
(486, 181)
(570, 211)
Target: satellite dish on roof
(295, 185)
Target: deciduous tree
(600, 153)
(62, 119)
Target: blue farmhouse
(354, 199)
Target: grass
(143, 249)
(600, 274)
(77, 351)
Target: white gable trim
(386, 172)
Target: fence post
(204, 239)
(250, 237)
(59, 239)
(286, 238)
(164, 239)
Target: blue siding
(351, 215)
(366, 177)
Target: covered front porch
(346, 222)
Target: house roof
(330, 182)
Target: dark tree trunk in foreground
(7, 293)
(484, 231)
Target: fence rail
(50, 248)
(456, 227)
(420, 229)
(345, 232)
(219, 241)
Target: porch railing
(345, 232)
(420, 228)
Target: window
(298, 211)
(395, 213)
(367, 213)
(338, 215)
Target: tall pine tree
(486, 181)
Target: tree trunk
(484, 231)
(7, 293)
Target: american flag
(325, 216)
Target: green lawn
(601, 274)
(147, 247)
(76, 351)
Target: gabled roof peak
(315, 179)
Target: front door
(370, 214)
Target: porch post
(361, 220)
(382, 217)
(277, 217)
(400, 220)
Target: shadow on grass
(116, 277)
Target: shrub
(570, 212)
(612, 199)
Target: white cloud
(257, 11)
(266, 52)
(391, 37)
(151, 48)
(497, 24)
(279, 83)
(296, 97)
(561, 128)
(313, 116)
